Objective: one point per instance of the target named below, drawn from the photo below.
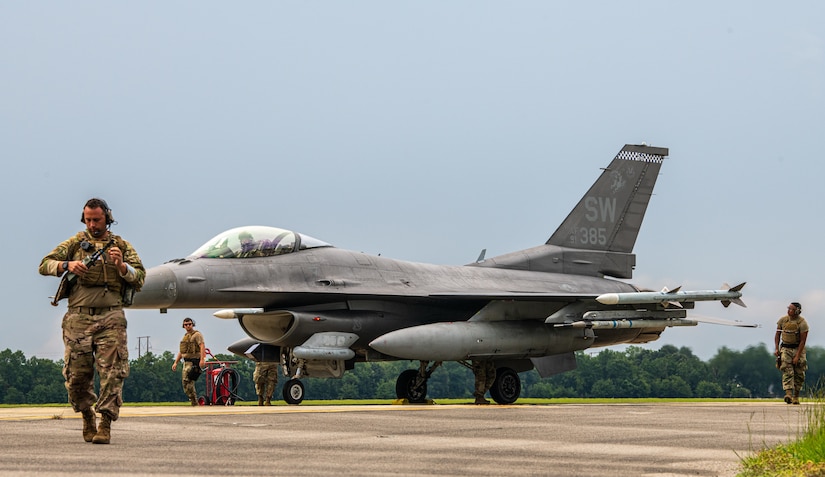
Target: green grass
(804, 457)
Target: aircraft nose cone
(160, 289)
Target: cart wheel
(202, 401)
(293, 391)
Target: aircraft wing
(515, 295)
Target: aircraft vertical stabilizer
(597, 238)
(610, 214)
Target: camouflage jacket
(102, 275)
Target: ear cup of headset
(108, 211)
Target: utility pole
(148, 346)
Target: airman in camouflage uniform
(484, 371)
(790, 338)
(193, 352)
(266, 378)
(94, 326)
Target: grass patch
(804, 457)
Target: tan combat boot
(795, 397)
(268, 401)
(89, 424)
(193, 401)
(104, 430)
(788, 396)
(260, 400)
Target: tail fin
(598, 236)
(610, 214)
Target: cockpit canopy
(255, 241)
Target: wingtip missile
(726, 295)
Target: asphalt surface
(705, 439)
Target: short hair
(98, 203)
(797, 305)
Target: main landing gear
(293, 391)
(412, 384)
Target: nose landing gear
(412, 383)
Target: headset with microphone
(95, 203)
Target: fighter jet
(318, 309)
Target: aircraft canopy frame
(255, 241)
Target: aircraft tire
(506, 387)
(404, 387)
(293, 391)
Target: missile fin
(738, 287)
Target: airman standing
(484, 371)
(193, 353)
(266, 378)
(790, 338)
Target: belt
(88, 310)
(785, 345)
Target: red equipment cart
(221, 383)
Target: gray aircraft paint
(321, 309)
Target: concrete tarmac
(660, 439)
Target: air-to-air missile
(726, 295)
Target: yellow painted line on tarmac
(45, 413)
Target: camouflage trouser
(485, 373)
(188, 384)
(95, 341)
(793, 377)
(265, 377)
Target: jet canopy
(255, 241)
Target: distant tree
(634, 372)
(151, 379)
(46, 382)
(752, 369)
(604, 388)
(707, 389)
(30, 381)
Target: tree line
(668, 372)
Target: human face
(95, 220)
(188, 325)
(792, 310)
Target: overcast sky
(424, 131)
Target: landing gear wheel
(294, 391)
(405, 387)
(507, 386)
